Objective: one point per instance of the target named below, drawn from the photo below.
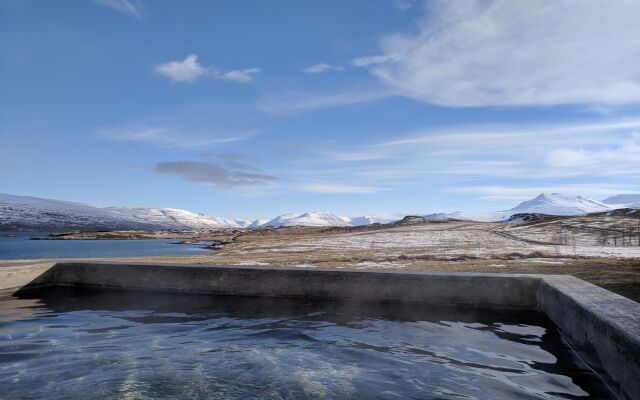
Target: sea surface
(71, 344)
(19, 246)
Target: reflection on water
(119, 345)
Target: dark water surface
(18, 246)
(71, 344)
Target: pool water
(78, 344)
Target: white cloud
(336, 188)
(241, 75)
(124, 6)
(511, 53)
(189, 70)
(322, 67)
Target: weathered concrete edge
(476, 290)
(602, 326)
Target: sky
(250, 109)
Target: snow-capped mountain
(623, 201)
(32, 213)
(558, 204)
(308, 219)
(172, 217)
(258, 223)
(544, 203)
(374, 219)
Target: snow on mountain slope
(173, 218)
(32, 213)
(558, 204)
(545, 203)
(308, 219)
(375, 219)
(243, 223)
(623, 201)
(258, 223)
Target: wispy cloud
(189, 70)
(590, 150)
(214, 174)
(622, 158)
(295, 103)
(337, 188)
(322, 67)
(511, 53)
(128, 7)
(170, 137)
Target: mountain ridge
(33, 214)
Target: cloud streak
(322, 67)
(126, 7)
(337, 188)
(296, 103)
(170, 137)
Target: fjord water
(19, 246)
(70, 344)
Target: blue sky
(250, 108)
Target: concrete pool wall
(602, 326)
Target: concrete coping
(602, 326)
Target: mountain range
(24, 213)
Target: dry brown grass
(452, 246)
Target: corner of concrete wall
(602, 326)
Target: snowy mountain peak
(544, 203)
(323, 218)
(559, 204)
(315, 218)
(32, 213)
(375, 219)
